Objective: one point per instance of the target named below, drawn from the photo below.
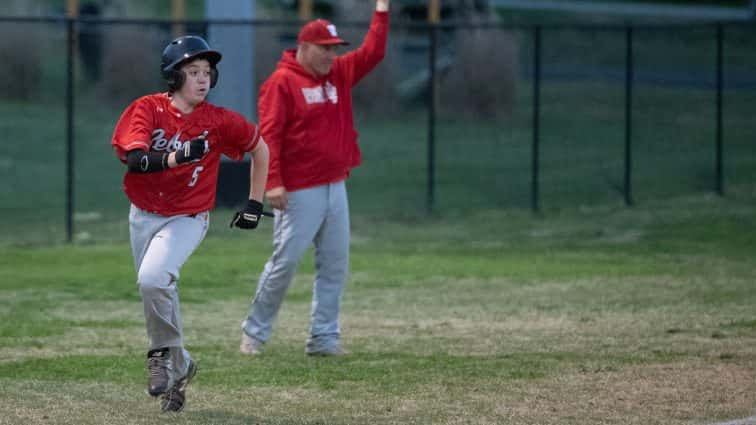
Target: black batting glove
(192, 151)
(249, 217)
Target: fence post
(629, 68)
(69, 128)
(72, 8)
(305, 10)
(535, 185)
(433, 19)
(720, 77)
(178, 14)
(432, 99)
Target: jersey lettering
(161, 143)
(195, 175)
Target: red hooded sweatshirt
(307, 121)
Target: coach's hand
(192, 151)
(382, 5)
(249, 217)
(277, 198)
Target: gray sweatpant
(319, 216)
(160, 246)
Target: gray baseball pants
(319, 216)
(160, 246)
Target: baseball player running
(171, 144)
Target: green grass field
(602, 315)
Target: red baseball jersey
(151, 123)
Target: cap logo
(332, 30)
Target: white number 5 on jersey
(195, 175)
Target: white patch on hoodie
(319, 94)
(331, 92)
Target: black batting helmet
(184, 49)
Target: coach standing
(305, 113)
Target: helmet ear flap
(176, 80)
(213, 77)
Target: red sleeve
(361, 61)
(273, 106)
(239, 135)
(134, 129)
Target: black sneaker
(173, 400)
(157, 371)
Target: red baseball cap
(320, 31)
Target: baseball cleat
(174, 399)
(157, 371)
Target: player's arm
(249, 217)
(258, 170)
(382, 5)
(141, 161)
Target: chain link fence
(528, 117)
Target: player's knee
(153, 280)
(273, 288)
(285, 266)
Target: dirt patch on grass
(682, 393)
